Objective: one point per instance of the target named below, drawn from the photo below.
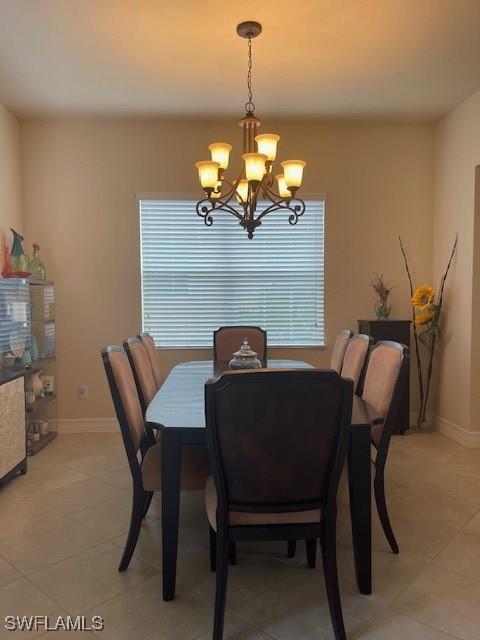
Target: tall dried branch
(415, 335)
(433, 341)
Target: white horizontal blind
(197, 278)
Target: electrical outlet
(82, 391)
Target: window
(197, 278)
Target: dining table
(178, 412)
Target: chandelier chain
(249, 106)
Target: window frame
(149, 195)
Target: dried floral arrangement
(382, 308)
(426, 312)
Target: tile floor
(63, 525)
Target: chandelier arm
(229, 194)
(297, 210)
(273, 207)
(274, 197)
(205, 211)
(224, 206)
(254, 200)
(205, 208)
(233, 189)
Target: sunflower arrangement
(426, 311)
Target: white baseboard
(470, 439)
(85, 425)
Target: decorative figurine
(245, 358)
(36, 266)
(37, 384)
(19, 259)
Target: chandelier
(240, 197)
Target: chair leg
(213, 547)
(138, 506)
(233, 553)
(311, 548)
(329, 557)
(148, 500)
(379, 487)
(223, 552)
(292, 547)
(213, 550)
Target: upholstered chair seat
(238, 518)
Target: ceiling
(148, 58)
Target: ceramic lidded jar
(245, 358)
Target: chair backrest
(386, 372)
(155, 359)
(277, 438)
(142, 370)
(339, 348)
(227, 340)
(355, 358)
(126, 402)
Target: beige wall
(457, 154)
(10, 174)
(80, 181)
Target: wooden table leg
(171, 470)
(359, 483)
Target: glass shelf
(41, 282)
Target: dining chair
(227, 340)
(277, 442)
(144, 457)
(383, 387)
(355, 359)
(339, 348)
(155, 359)
(353, 368)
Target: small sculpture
(19, 258)
(36, 266)
(245, 358)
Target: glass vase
(382, 311)
(36, 266)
